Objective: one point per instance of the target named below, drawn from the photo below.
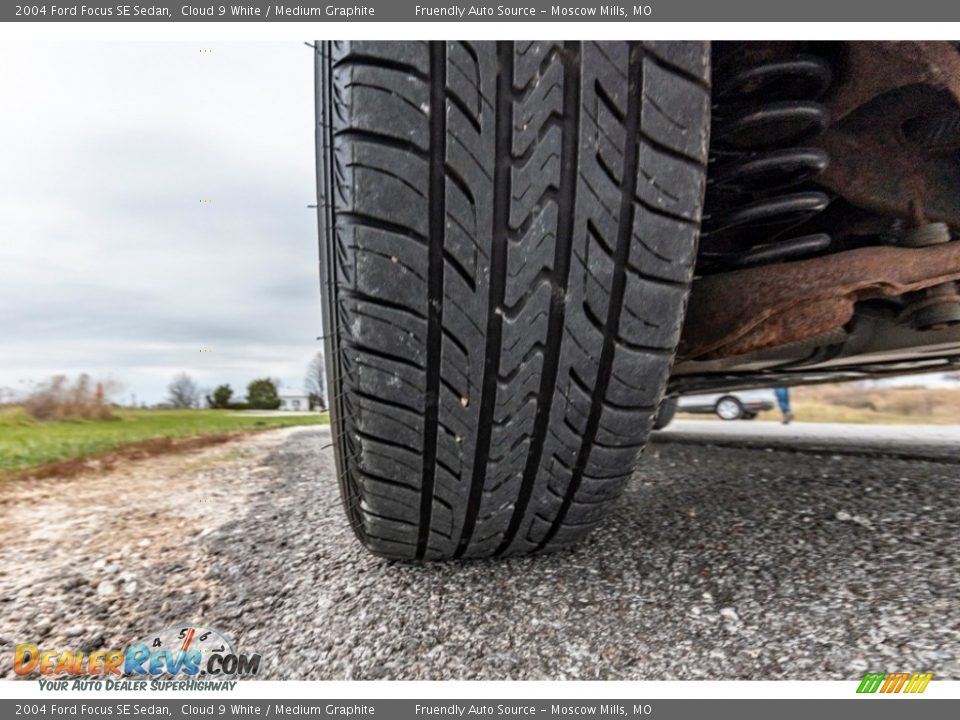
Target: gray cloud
(109, 261)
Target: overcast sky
(109, 262)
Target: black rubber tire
(668, 408)
(508, 233)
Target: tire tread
(508, 232)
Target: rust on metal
(872, 163)
(757, 308)
(874, 68)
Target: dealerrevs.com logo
(172, 658)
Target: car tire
(668, 408)
(508, 235)
(729, 408)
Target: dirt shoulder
(100, 558)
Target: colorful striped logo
(894, 682)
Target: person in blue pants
(783, 400)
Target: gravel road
(721, 562)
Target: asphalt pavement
(753, 561)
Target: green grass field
(27, 443)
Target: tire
(668, 408)
(508, 234)
(729, 408)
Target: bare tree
(316, 381)
(59, 398)
(183, 391)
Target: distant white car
(739, 405)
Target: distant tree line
(262, 393)
(183, 392)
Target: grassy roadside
(26, 443)
(855, 403)
(852, 403)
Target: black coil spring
(765, 114)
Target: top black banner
(514, 11)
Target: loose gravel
(719, 563)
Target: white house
(294, 403)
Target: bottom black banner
(874, 708)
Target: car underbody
(833, 201)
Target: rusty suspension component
(896, 130)
(753, 309)
(935, 307)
